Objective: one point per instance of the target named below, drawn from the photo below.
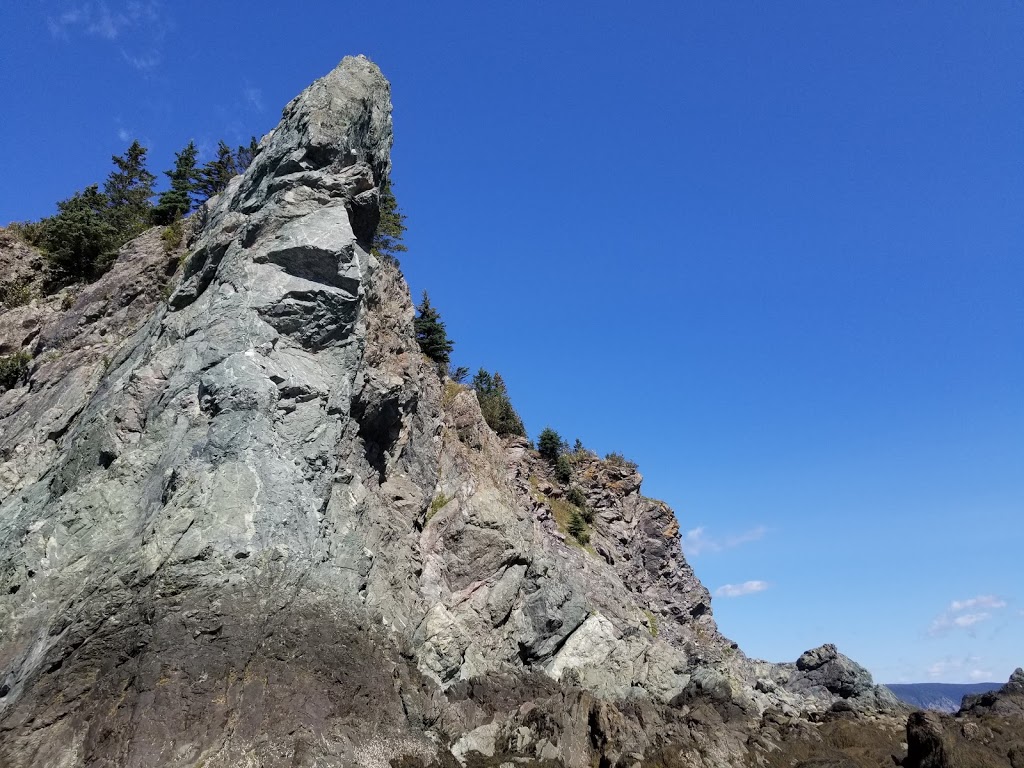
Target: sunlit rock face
(246, 522)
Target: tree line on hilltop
(81, 240)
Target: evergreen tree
(563, 469)
(495, 404)
(387, 240)
(244, 155)
(431, 334)
(80, 240)
(549, 445)
(214, 176)
(129, 188)
(176, 201)
(578, 528)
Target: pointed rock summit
(247, 523)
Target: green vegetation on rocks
(387, 241)
(128, 189)
(82, 239)
(563, 469)
(14, 293)
(495, 404)
(214, 176)
(549, 445)
(13, 369)
(431, 334)
(176, 201)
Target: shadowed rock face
(218, 544)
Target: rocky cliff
(245, 522)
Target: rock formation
(245, 522)
(987, 732)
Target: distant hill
(941, 697)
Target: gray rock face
(824, 667)
(1008, 701)
(249, 525)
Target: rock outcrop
(245, 522)
(988, 732)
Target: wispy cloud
(962, 614)
(59, 24)
(145, 62)
(982, 601)
(140, 25)
(93, 18)
(697, 541)
(738, 590)
(253, 98)
(106, 24)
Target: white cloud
(123, 135)
(977, 675)
(963, 614)
(738, 590)
(981, 601)
(696, 540)
(970, 619)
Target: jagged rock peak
(340, 122)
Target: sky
(769, 251)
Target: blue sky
(772, 252)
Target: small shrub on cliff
(576, 496)
(176, 201)
(436, 505)
(81, 241)
(171, 236)
(563, 469)
(30, 232)
(387, 240)
(13, 369)
(431, 334)
(458, 375)
(213, 177)
(244, 155)
(652, 623)
(549, 445)
(495, 404)
(14, 293)
(578, 528)
(620, 461)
